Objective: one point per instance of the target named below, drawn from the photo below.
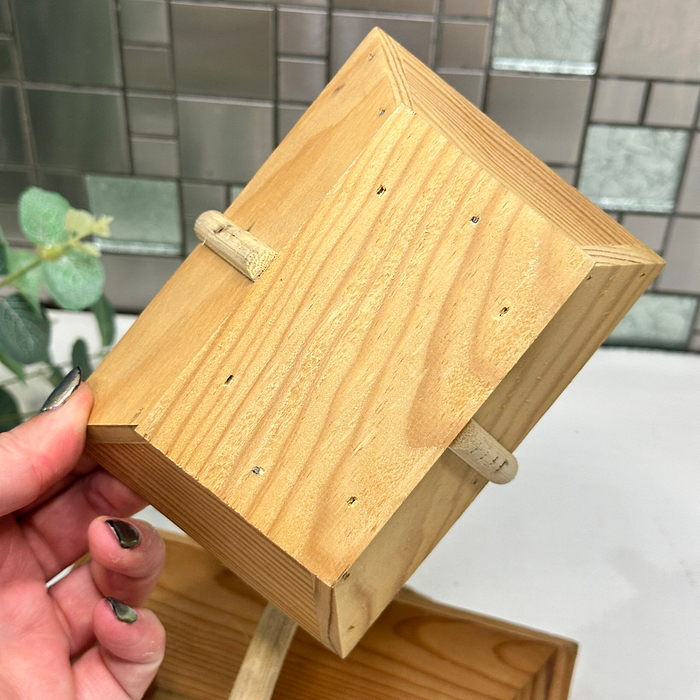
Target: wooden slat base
(417, 649)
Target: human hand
(78, 639)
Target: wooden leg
(263, 660)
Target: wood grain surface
(416, 650)
(429, 270)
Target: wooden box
(417, 650)
(430, 274)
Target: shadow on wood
(416, 650)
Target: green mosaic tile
(548, 36)
(146, 213)
(657, 321)
(629, 168)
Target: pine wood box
(430, 272)
(417, 649)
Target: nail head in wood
(483, 453)
(239, 247)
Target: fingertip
(132, 634)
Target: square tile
(287, 117)
(348, 29)
(566, 172)
(657, 321)
(468, 83)
(224, 140)
(548, 36)
(648, 228)
(464, 44)
(302, 31)
(13, 149)
(152, 115)
(144, 21)
(682, 253)
(10, 224)
(689, 197)
(147, 68)
(618, 101)
(301, 79)
(5, 20)
(131, 281)
(546, 114)
(155, 156)
(79, 130)
(146, 214)
(672, 104)
(8, 64)
(426, 7)
(223, 50)
(632, 168)
(202, 196)
(468, 8)
(69, 41)
(12, 184)
(645, 40)
(72, 187)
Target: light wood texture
(484, 454)
(429, 271)
(264, 657)
(417, 650)
(234, 244)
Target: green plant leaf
(24, 332)
(42, 216)
(80, 357)
(104, 313)
(75, 280)
(9, 411)
(15, 367)
(29, 284)
(4, 253)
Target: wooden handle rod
(234, 244)
(483, 453)
(264, 657)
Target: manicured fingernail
(63, 391)
(126, 533)
(122, 611)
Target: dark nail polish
(126, 533)
(63, 391)
(122, 611)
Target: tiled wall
(155, 110)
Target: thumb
(41, 451)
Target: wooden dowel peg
(234, 244)
(264, 657)
(483, 453)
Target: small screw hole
(345, 575)
(258, 470)
(229, 379)
(381, 190)
(475, 219)
(351, 501)
(382, 112)
(371, 56)
(503, 311)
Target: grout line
(28, 131)
(489, 64)
(275, 75)
(645, 103)
(603, 33)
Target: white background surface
(598, 537)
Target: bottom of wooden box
(417, 649)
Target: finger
(121, 569)
(133, 574)
(57, 530)
(128, 659)
(85, 464)
(40, 452)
